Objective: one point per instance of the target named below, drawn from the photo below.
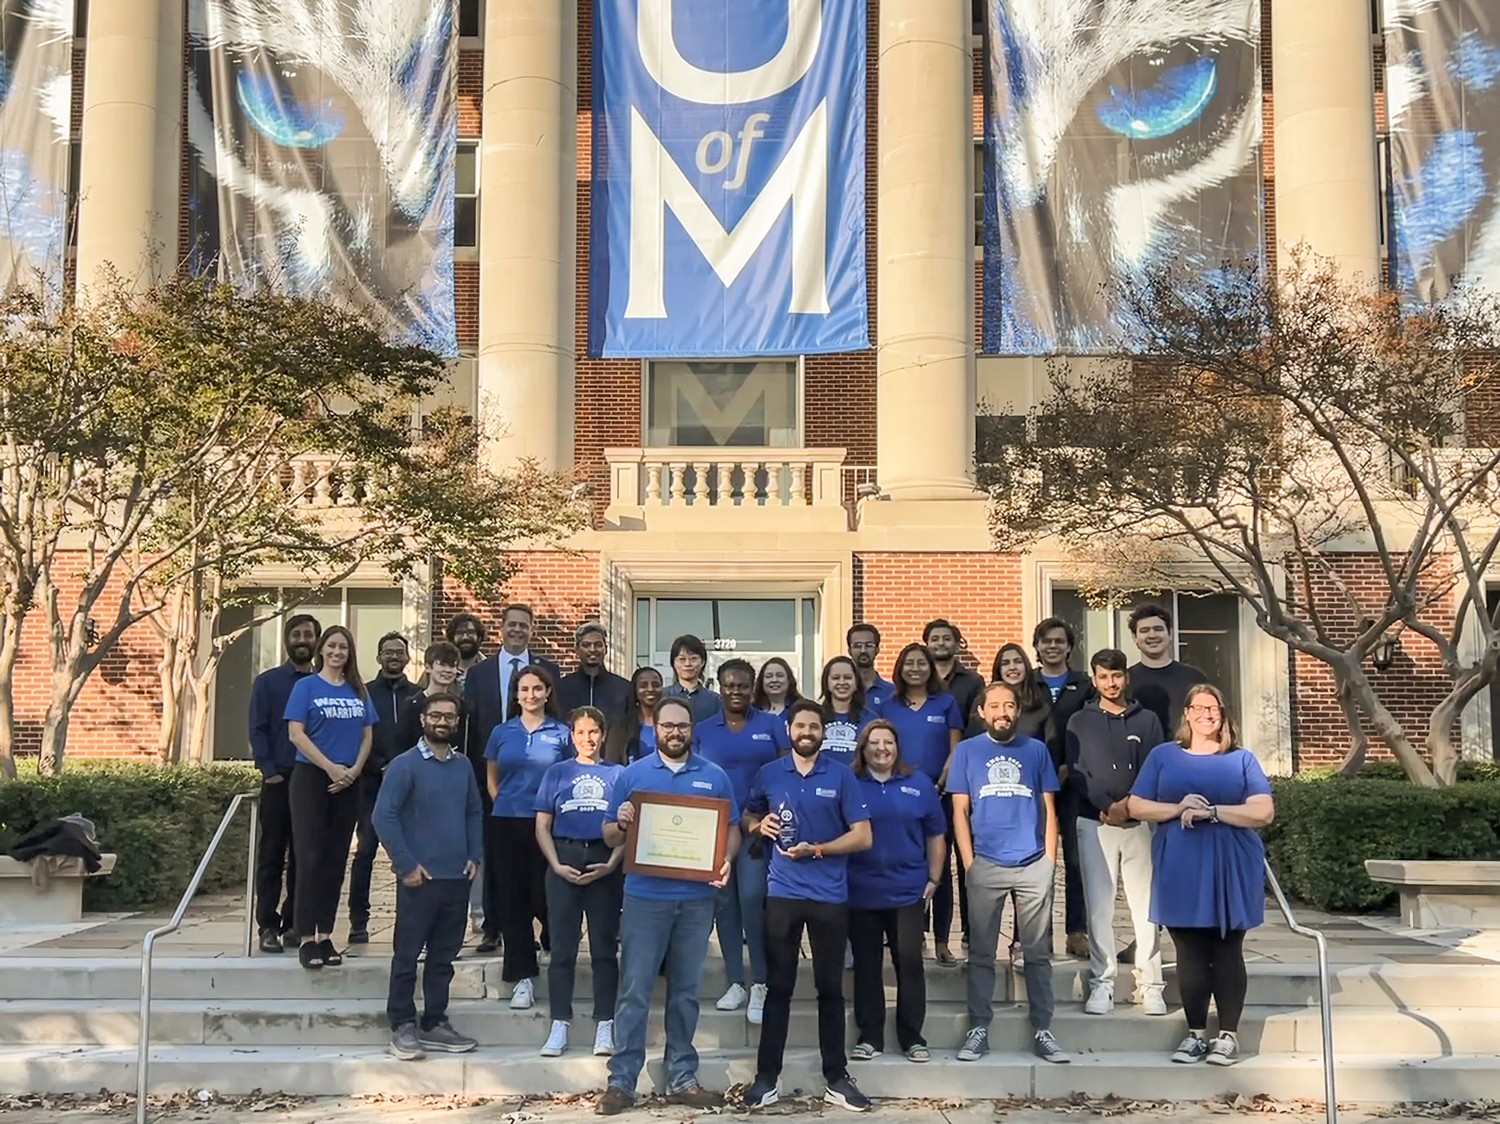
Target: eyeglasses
(674, 727)
(1207, 711)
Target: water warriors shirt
(696, 777)
(904, 813)
(824, 805)
(523, 759)
(742, 752)
(841, 735)
(577, 796)
(923, 734)
(1004, 782)
(333, 716)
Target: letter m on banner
(728, 196)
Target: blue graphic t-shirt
(577, 796)
(841, 735)
(1004, 782)
(333, 716)
(523, 758)
(1054, 683)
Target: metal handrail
(1325, 990)
(148, 946)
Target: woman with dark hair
(520, 751)
(775, 687)
(329, 720)
(928, 726)
(845, 712)
(584, 879)
(889, 888)
(634, 735)
(1207, 795)
(689, 662)
(1034, 709)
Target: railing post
(250, 871)
(1325, 993)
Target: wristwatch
(817, 850)
(1213, 813)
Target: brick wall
(562, 589)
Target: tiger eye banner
(36, 95)
(322, 137)
(1119, 138)
(1442, 96)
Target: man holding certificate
(675, 814)
(811, 812)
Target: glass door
(753, 629)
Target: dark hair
(594, 715)
(862, 627)
(984, 695)
(760, 700)
(441, 651)
(930, 626)
(1028, 692)
(536, 671)
(803, 706)
(297, 621)
(736, 664)
(627, 731)
(1110, 659)
(352, 676)
(1045, 626)
(1145, 612)
(672, 700)
(693, 646)
(405, 643)
(442, 696)
(857, 700)
(513, 606)
(466, 618)
(861, 766)
(934, 683)
(1229, 734)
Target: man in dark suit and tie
(489, 694)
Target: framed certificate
(677, 836)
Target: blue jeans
(740, 916)
(651, 931)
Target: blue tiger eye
(283, 119)
(1175, 100)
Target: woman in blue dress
(1208, 795)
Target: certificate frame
(684, 809)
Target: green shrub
(157, 820)
(1326, 827)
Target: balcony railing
(680, 478)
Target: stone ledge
(56, 901)
(1443, 894)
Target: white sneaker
(1152, 1001)
(1101, 1000)
(523, 996)
(557, 1041)
(848, 959)
(604, 1039)
(757, 1009)
(733, 999)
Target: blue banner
(728, 196)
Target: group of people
(846, 814)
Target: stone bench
(24, 903)
(1443, 894)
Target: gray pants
(1107, 856)
(989, 884)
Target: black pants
(942, 900)
(433, 916)
(567, 905)
(363, 867)
(1075, 909)
(274, 854)
(1211, 964)
(827, 928)
(869, 929)
(517, 878)
(322, 825)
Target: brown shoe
(614, 1101)
(696, 1096)
(1078, 945)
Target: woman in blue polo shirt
(889, 888)
(845, 710)
(520, 751)
(584, 879)
(775, 687)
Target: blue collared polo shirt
(879, 692)
(741, 753)
(697, 777)
(826, 803)
(922, 735)
(904, 813)
(523, 759)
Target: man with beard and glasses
(392, 694)
(810, 812)
(274, 755)
(863, 642)
(467, 633)
(664, 920)
(1005, 823)
(593, 684)
(944, 640)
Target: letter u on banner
(727, 211)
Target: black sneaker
(443, 1037)
(976, 1045)
(1046, 1047)
(270, 941)
(1194, 1048)
(762, 1094)
(614, 1101)
(845, 1093)
(405, 1044)
(489, 944)
(696, 1096)
(359, 934)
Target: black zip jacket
(1075, 691)
(391, 700)
(1105, 752)
(964, 686)
(608, 692)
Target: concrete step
(330, 1071)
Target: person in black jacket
(1107, 743)
(392, 694)
(592, 684)
(944, 641)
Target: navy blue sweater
(429, 813)
(270, 746)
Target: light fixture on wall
(1383, 654)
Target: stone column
(925, 211)
(527, 201)
(1327, 185)
(130, 174)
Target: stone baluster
(679, 472)
(702, 493)
(725, 497)
(653, 485)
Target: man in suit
(489, 695)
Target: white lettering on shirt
(588, 796)
(760, 737)
(704, 784)
(934, 718)
(826, 791)
(911, 791)
(338, 707)
(1004, 774)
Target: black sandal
(310, 955)
(330, 954)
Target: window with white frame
(466, 195)
(731, 404)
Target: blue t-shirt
(841, 735)
(333, 716)
(577, 796)
(647, 745)
(923, 734)
(523, 759)
(1004, 782)
(697, 777)
(825, 804)
(904, 813)
(761, 739)
(878, 693)
(1054, 682)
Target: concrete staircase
(1404, 1031)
